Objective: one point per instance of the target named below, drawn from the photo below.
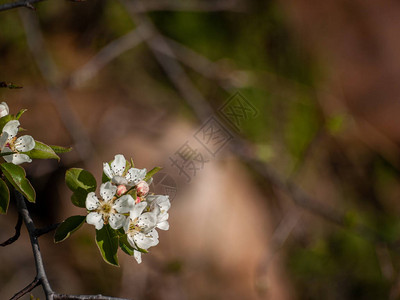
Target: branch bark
(22, 3)
(17, 233)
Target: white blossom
(109, 209)
(140, 229)
(10, 143)
(118, 174)
(159, 205)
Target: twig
(41, 273)
(17, 232)
(22, 3)
(104, 56)
(197, 6)
(26, 289)
(41, 231)
(158, 46)
(84, 297)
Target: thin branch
(104, 56)
(41, 231)
(17, 233)
(167, 59)
(196, 6)
(26, 289)
(84, 297)
(41, 273)
(22, 3)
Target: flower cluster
(9, 143)
(126, 205)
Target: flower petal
(145, 241)
(3, 139)
(107, 191)
(92, 202)
(147, 221)
(163, 225)
(107, 170)
(134, 175)
(17, 159)
(95, 219)
(119, 180)
(4, 109)
(118, 165)
(24, 143)
(138, 256)
(11, 128)
(124, 204)
(116, 221)
(137, 210)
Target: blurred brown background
(298, 200)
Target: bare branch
(197, 6)
(104, 56)
(85, 297)
(41, 231)
(168, 61)
(26, 289)
(17, 233)
(41, 273)
(16, 4)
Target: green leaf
(124, 245)
(151, 173)
(76, 178)
(104, 178)
(42, 151)
(4, 197)
(60, 149)
(81, 182)
(20, 113)
(107, 241)
(16, 176)
(67, 227)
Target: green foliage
(16, 176)
(42, 151)
(4, 197)
(59, 149)
(343, 264)
(67, 227)
(107, 241)
(151, 173)
(20, 113)
(80, 182)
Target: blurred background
(276, 123)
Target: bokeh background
(301, 202)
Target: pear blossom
(109, 209)
(10, 143)
(4, 111)
(140, 229)
(159, 204)
(118, 174)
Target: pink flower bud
(142, 188)
(138, 200)
(121, 189)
